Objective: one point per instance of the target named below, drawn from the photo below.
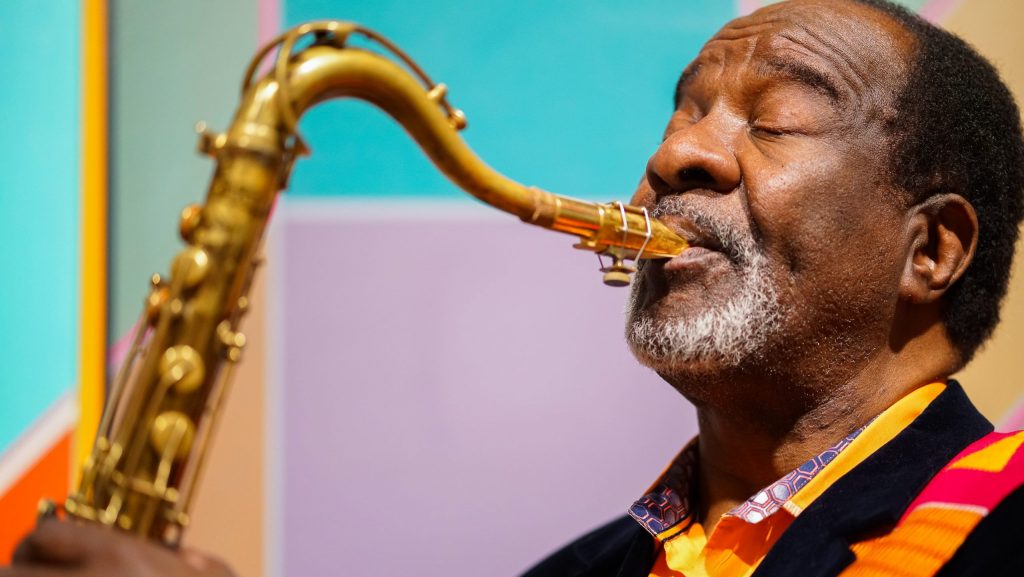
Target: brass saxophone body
(163, 406)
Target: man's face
(774, 165)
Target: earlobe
(943, 236)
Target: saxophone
(164, 404)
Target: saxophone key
(182, 367)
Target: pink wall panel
(457, 397)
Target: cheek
(643, 196)
(824, 231)
(796, 213)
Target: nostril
(695, 176)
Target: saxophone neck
(266, 124)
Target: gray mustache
(738, 247)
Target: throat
(744, 466)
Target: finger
(22, 554)
(206, 565)
(23, 571)
(56, 542)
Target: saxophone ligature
(164, 403)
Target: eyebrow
(794, 70)
(687, 77)
(802, 73)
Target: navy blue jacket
(867, 500)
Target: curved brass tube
(329, 69)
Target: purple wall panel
(457, 396)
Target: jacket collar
(874, 494)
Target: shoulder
(987, 477)
(979, 477)
(599, 553)
(993, 548)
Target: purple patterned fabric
(770, 499)
(668, 503)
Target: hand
(68, 549)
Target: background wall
(40, 177)
(993, 379)
(427, 380)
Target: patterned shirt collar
(668, 503)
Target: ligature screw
(617, 274)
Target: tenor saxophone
(164, 404)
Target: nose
(694, 157)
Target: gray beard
(725, 335)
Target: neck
(765, 427)
(740, 455)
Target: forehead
(860, 48)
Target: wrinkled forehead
(864, 50)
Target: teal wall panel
(39, 201)
(172, 64)
(912, 4)
(570, 96)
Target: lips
(694, 235)
(702, 246)
(691, 258)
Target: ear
(943, 237)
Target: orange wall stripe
(94, 223)
(47, 478)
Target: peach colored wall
(994, 379)
(229, 514)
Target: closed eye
(768, 130)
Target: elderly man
(851, 180)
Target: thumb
(55, 542)
(205, 564)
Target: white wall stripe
(38, 439)
(334, 209)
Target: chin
(677, 301)
(659, 349)
(693, 333)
